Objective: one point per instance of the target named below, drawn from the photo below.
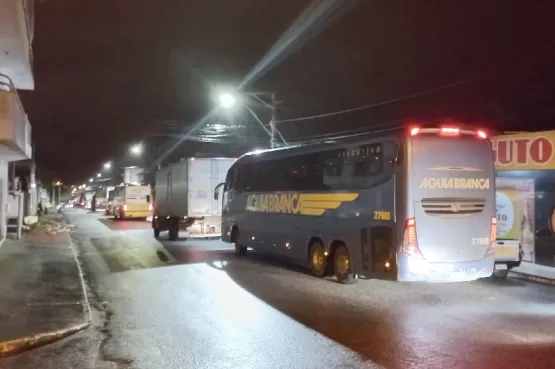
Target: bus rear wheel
(342, 265)
(318, 260)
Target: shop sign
(525, 151)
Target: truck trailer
(183, 197)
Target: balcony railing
(6, 85)
(15, 129)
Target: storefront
(525, 167)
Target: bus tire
(501, 274)
(239, 249)
(317, 258)
(342, 265)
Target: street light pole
(273, 122)
(227, 101)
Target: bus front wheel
(318, 261)
(342, 265)
(239, 249)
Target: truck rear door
(204, 175)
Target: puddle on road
(122, 254)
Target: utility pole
(273, 122)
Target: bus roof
(331, 143)
(269, 154)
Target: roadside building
(16, 36)
(525, 167)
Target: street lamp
(99, 175)
(136, 149)
(58, 186)
(227, 100)
(107, 165)
(91, 179)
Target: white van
(508, 255)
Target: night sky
(111, 72)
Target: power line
(381, 103)
(405, 97)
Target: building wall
(4, 179)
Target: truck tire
(174, 229)
(156, 232)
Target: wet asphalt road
(193, 304)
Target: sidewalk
(41, 289)
(534, 272)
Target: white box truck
(183, 197)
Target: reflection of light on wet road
(462, 335)
(220, 310)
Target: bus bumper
(137, 214)
(418, 270)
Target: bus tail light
(492, 236)
(124, 207)
(449, 131)
(410, 241)
(481, 134)
(414, 131)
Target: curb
(532, 278)
(18, 345)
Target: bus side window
(369, 162)
(230, 179)
(307, 172)
(249, 179)
(276, 175)
(241, 183)
(333, 167)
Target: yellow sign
(455, 183)
(382, 215)
(524, 151)
(297, 203)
